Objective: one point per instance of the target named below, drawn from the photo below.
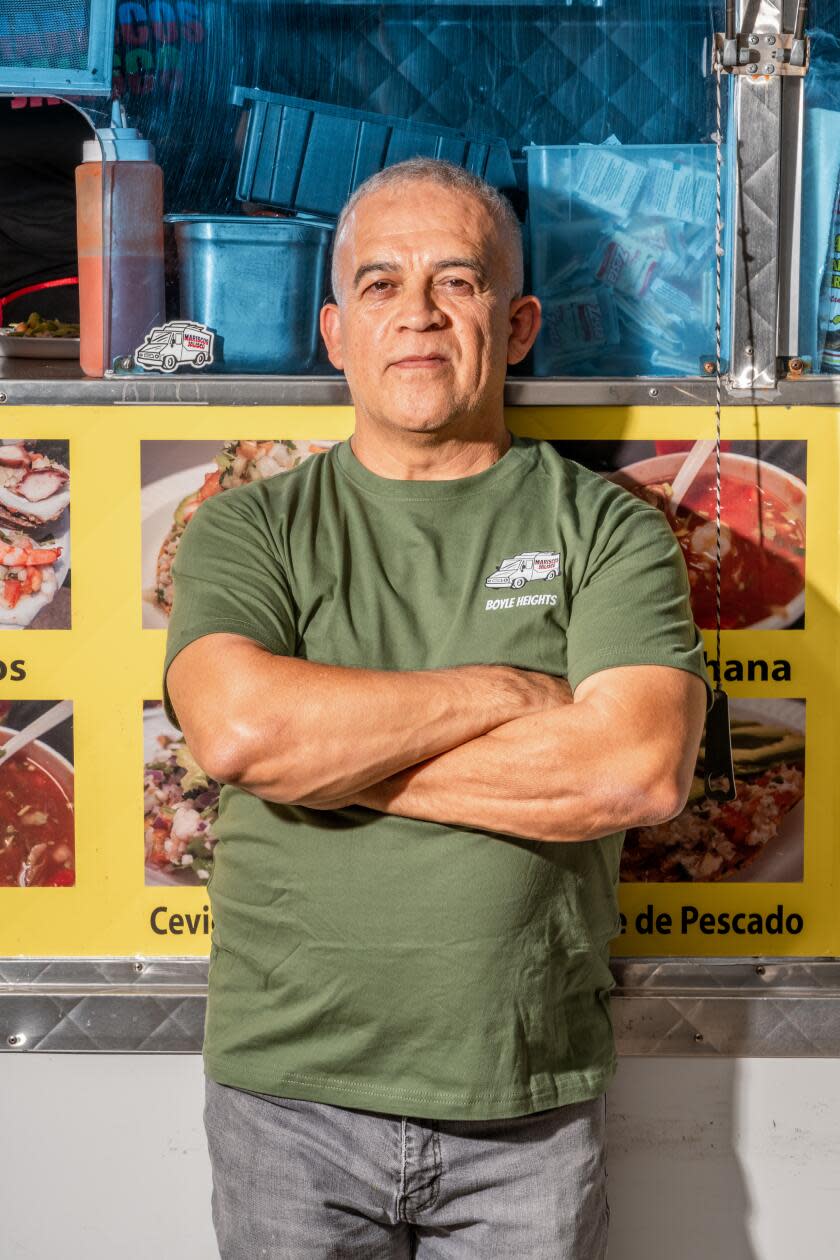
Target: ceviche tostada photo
(170, 501)
(180, 806)
(758, 836)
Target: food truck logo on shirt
(528, 566)
(174, 345)
(515, 571)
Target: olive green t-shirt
(387, 963)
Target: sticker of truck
(179, 342)
(528, 566)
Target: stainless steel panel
(790, 202)
(790, 215)
(59, 389)
(764, 1008)
(757, 108)
(756, 234)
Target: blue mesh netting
(545, 74)
(43, 35)
(561, 73)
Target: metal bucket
(257, 283)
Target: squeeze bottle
(119, 227)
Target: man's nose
(418, 309)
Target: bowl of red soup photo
(37, 848)
(762, 536)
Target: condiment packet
(672, 300)
(624, 264)
(607, 181)
(646, 319)
(677, 191)
(674, 364)
(582, 323)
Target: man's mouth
(420, 361)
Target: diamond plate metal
(108, 1005)
(764, 1008)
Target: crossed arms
(490, 747)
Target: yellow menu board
(106, 823)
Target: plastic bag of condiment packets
(642, 297)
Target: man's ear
(525, 322)
(330, 324)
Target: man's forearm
(565, 775)
(511, 781)
(296, 731)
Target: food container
(308, 156)
(623, 258)
(256, 283)
(60, 771)
(774, 581)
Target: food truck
(675, 167)
(528, 566)
(177, 342)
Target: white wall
(103, 1156)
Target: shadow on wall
(686, 1133)
(676, 1185)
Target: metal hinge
(760, 55)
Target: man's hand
(299, 732)
(623, 754)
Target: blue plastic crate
(623, 258)
(309, 157)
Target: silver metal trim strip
(756, 233)
(763, 1008)
(313, 391)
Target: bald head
(429, 312)
(436, 172)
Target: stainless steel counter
(59, 382)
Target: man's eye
(456, 283)
(379, 286)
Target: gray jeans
(295, 1180)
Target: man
(438, 670)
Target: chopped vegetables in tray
(239, 463)
(180, 805)
(711, 840)
(35, 326)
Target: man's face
(426, 323)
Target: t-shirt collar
(517, 458)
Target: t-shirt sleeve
(632, 606)
(229, 576)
